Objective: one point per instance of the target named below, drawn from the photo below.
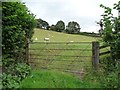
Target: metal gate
(62, 56)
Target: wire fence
(62, 56)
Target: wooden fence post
(95, 55)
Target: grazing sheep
(36, 38)
(46, 39)
(71, 41)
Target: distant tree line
(72, 27)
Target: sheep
(36, 38)
(71, 41)
(46, 39)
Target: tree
(39, 23)
(52, 27)
(73, 27)
(42, 24)
(111, 31)
(60, 26)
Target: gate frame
(95, 54)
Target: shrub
(111, 36)
(22, 70)
(14, 74)
(111, 31)
(17, 26)
(110, 76)
(8, 81)
(110, 80)
(17, 29)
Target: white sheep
(36, 38)
(71, 41)
(46, 39)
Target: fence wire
(62, 56)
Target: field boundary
(67, 53)
(57, 54)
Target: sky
(85, 12)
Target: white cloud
(85, 12)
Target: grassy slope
(55, 79)
(51, 79)
(58, 62)
(60, 37)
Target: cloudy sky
(85, 12)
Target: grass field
(56, 56)
(62, 56)
(60, 37)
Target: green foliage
(17, 28)
(8, 81)
(53, 28)
(60, 26)
(17, 25)
(111, 80)
(110, 77)
(42, 24)
(73, 27)
(111, 31)
(14, 74)
(10, 66)
(109, 72)
(22, 70)
(103, 78)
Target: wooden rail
(95, 51)
(104, 46)
(104, 52)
